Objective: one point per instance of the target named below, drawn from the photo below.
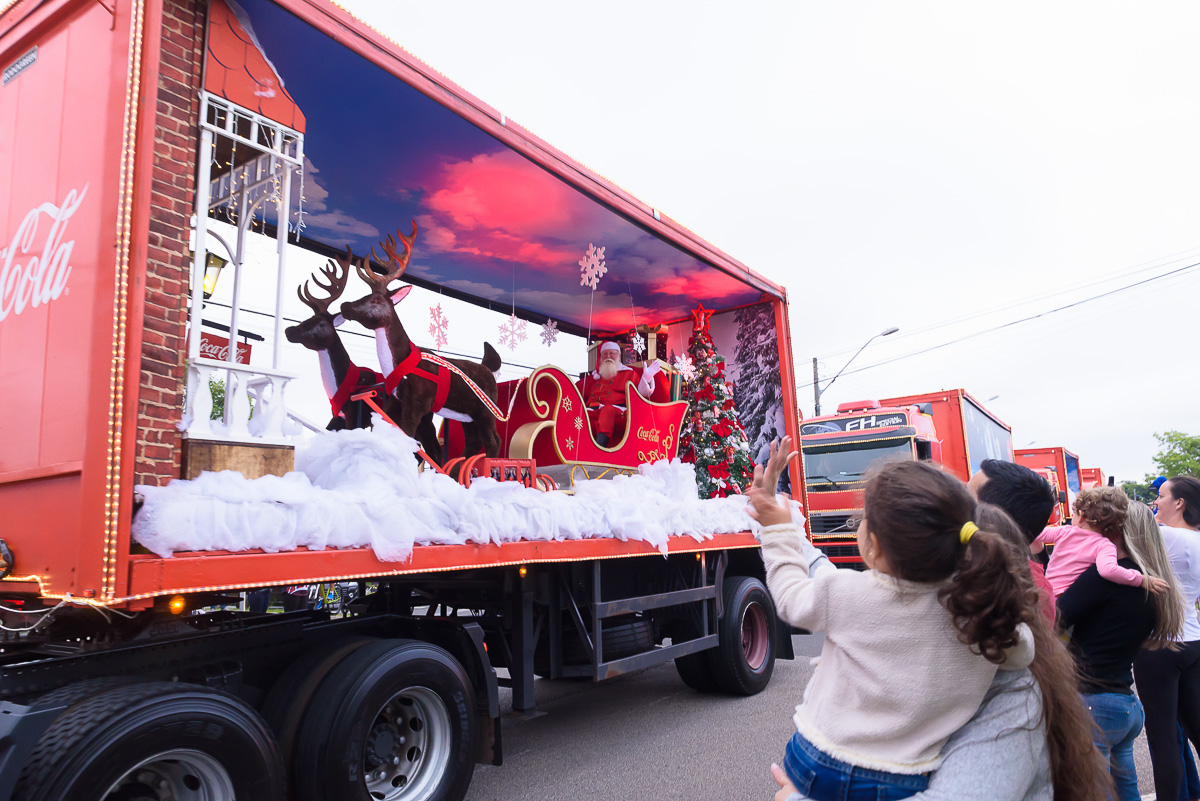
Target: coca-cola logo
(215, 347)
(36, 279)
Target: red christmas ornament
(700, 319)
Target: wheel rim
(756, 639)
(408, 746)
(182, 775)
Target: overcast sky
(941, 167)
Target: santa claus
(603, 391)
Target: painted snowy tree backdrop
(758, 388)
(713, 437)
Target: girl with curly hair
(1101, 512)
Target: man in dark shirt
(1110, 623)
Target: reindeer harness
(349, 386)
(411, 365)
(440, 376)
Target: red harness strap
(349, 385)
(411, 366)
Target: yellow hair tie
(964, 534)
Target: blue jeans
(820, 777)
(1189, 788)
(1118, 718)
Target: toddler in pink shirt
(1100, 511)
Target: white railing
(255, 409)
(255, 406)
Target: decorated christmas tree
(712, 436)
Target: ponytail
(986, 597)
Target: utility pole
(816, 391)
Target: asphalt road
(647, 736)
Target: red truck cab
(949, 428)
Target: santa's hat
(610, 345)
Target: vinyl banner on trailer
(61, 132)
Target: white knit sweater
(893, 681)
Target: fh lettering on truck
(29, 278)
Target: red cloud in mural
(499, 205)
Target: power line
(1138, 268)
(1018, 322)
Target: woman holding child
(1111, 621)
(912, 652)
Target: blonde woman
(1112, 623)
(1144, 542)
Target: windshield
(832, 466)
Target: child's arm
(798, 599)
(788, 579)
(1107, 567)
(1039, 543)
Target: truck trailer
(149, 148)
(1064, 464)
(949, 428)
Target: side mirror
(935, 451)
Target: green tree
(1179, 454)
(1139, 492)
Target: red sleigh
(548, 422)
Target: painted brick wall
(164, 349)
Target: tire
(394, 721)
(744, 658)
(155, 741)
(697, 673)
(72, 694)
(293, 691)
(621, 639)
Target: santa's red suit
(605, 397)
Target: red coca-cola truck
(138, 140)
(949, 428)
(1064, 464)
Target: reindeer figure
(339, 374)
(422, 389)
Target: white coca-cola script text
(36, 279)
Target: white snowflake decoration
(566, 404)
(549, 332)
(438, 325)
(578, 423)
(639, 344)
(512, 332)
(570, 443)
(591, 267)
(685, 367)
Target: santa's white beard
(607, 370)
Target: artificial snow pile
(362, 488)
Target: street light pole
(887, 332)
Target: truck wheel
(744, 657)
(293, 691)
(696, 672)
(395, 721)
(152, 742)
(72, 694)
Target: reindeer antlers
(396, 263)
(337, 284)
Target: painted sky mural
(492, 224)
